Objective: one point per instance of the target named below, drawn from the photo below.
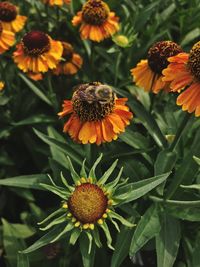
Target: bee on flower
(9, 17)
(183, 74)
(148, 72)
(96, 21)
(37, 52)
(96, 115)
(71, 62)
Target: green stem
(117, 64)
(185, 203)
(180, 131)
(52, 93)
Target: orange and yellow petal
(15, 25)
(7, 39)
(41, 63)
(97, 33)
(35, 76)
(177, 72)
(190, 99)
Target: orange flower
(97, 115)
(56, 2)
(7, 39)
(37, 52)
(97, 21)
(71, 63)
(184, 73)
(9, 17)
(148, 73)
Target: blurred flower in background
(37, 52)
(71, 62)
(97, 115)
(7, 39)
(56, 2)
(1, 86)
(10, 18)
(97, 21)
(184, 73)
(148, 73)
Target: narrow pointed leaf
(88, 259)
(107, 174)
(44, 240)
(112, 184)
(105, 228)
(74, 236)
(51, 216)
(114, 215)
(57, 191)
(83, 171)
(92, 171)
(64, 181)
(74, 174)
(22, 261)
(26, 181)
(68, 228)
(56, 221)
(167, 241)
(146, 229)
(96, 237)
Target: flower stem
(180, 131)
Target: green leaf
(74, 236)
(74, 174)
(63, 147)
(147, 228)
(105, 228)
(107, 174)
(44, 240)
(136, 190)
(193, 34)
(67, 229)
(167, 241)
(92, 171)
(193, 186)
(122, 246)
(36, 119)
(197, 160)
(22, 261)
(184, 213)
(88, 259)
(25, 181)
(61, 192)
(35, 89)
(12, 243)
(114, 215)
(56, 221)
(134, 139)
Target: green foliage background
(167, 217)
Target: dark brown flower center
(67, 51)
(36, 43)
(159, 53)
(88, 203)
(194, 60)
(95, 12)
(93, 101)
(8, 12)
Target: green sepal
(90, 241)
(197, 160)
(51, 216)
(105, 228)
(107, 174)
(88, 259)
(96, 237)
(92, 171)
(112, 184)
(74, 174)
(64, 181)
(56, 190)
(83, 171)
(114, 223)
(74, 236)
(114, 215)
(68, 228)
(56, 221)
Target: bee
(102, 94)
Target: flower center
(36, 43)
(93, 101)
(88, 203)
(159, 53)
(67, 51)
(8, 12)
(194, 60)
(95, 12)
